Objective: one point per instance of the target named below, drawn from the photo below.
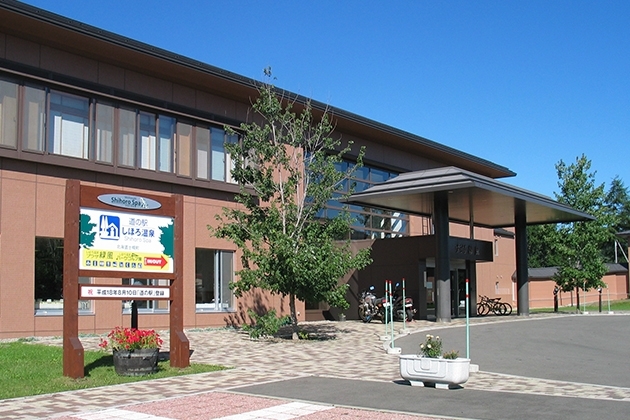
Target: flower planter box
(136, 362)
(444, 373)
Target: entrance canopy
(488, 202)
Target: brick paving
(256, 362)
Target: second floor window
(106, 131)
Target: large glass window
(214, 272)
(368, 222)
(33, 117)
(49, 278)
(8, 114)
(68, 132)
(218, 154)
(147, 306)
(203, 152)
(183, 149)
(126, 137)
(104, 135)
(148, 141)
(61, 123)
(167, 139)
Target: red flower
(131, 339)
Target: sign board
(131, 242)
(93, 291)
(112, 233)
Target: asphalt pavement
(544, 366)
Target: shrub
(266, 325)
(453, 354)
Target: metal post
(404, 302)
(134, 314)
(391, 312)
(467, 320)
(386, 314)
(599, 289)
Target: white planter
(420, 371)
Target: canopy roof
(493, 202)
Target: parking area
(543, 366)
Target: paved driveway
(589, 349)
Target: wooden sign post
(109, 233)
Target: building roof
(57, 31)
(493, 202)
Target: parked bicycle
(494, 305)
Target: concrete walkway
(348, 369)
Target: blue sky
(519, 83)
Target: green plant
(131, 339)
(303, 335)
(33, 369)
(432, 346)
(453, 354)
(266, 325)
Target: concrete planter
(444, 373)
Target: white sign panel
(115, 241)
(124, 293)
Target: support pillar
(522, 275)
(442, 261)
(471, 271)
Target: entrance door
(430, 291)
(458, 293)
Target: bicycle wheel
(508, 309)
(498, 308)
(482, 309)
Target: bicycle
(493, 304)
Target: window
(54, 122)
(218, 154)
(33, 110)
(68, 132)
(126, 137)
(167, 138)
(367, 222)
(183, 149)
(49, 278)
(147, 306)
(214, 273)
(8, 114)
(203, 152)
(148, 141)
(104, 136)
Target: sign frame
(86, 196)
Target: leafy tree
(618, 203)
(285, 163)
(579, 249)
(542, 244)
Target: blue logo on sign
(109, 227)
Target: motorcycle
(367, 304)
(371, 307)
(403, 311)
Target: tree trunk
(294, 319)
(577, 298)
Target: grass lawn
(618, 305)
(32, 369)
